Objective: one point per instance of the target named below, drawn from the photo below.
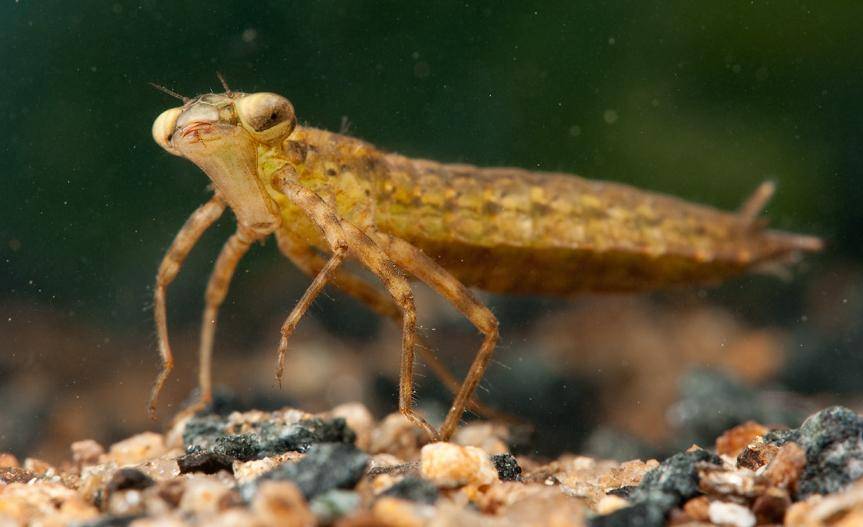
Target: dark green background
(710, 99)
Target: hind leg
(414, 261)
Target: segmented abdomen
(511, 230)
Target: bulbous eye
(266, 116)
(163, 129)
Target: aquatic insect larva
(328, 197)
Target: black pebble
(129, 478)
(833, 441)
(414, 489)
(507, 467)
(667, 486)
(325, 466)
(209, 448)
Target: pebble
(8, 460)
(246, 471)
(358, 419)
(412, 488)
(397, 436)
(507, 467)
(137, 449)
(609, 504)
(325, 466)
(394, 512)
(334, 504)
(205, 495)
(449, 465)
(490, 437)
(86, 452)
(282, 503)
(731, 514)
(733, 441)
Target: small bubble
(611, 41)
(249, 35)
(415, 55)
(655, 103)
(117, 8)
(761, 74)
(736, 68)
(610, 116)
(575, 130)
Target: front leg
(217, 289)
(173, 260)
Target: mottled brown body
(509, 230)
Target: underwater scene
(430, 264)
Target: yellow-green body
(514, 231)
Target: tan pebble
(785, 468)
(610, 503)
(734, 440)
(730, 514)
(126, 502)
(627, 474)
(697, 508)
(381, 461)
(852, 519)
(382, 482)
(393, 512)
(280, 503)
(715, 480)
(359, 419)
(44, 503)
(174, 436)
(8, 460)
(166, 520)
(449, 465)
(245, 471)
(162, 468)
(137, 449)
(86, 452)
(76, 510)
(547, 511)
(490, 437)
(94, 478)
(822, 510)
(204, 494)
(505, 493)
(39, 467)
(235, 518)
(397, 436)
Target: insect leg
(362, 247)
(217, 288)
(754, 204)
(189, 234)
(424, 268)
(305, 258)
(317, 285)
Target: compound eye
(163, 129)
(267, 116)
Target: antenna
(228, 91)
(167, 91)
